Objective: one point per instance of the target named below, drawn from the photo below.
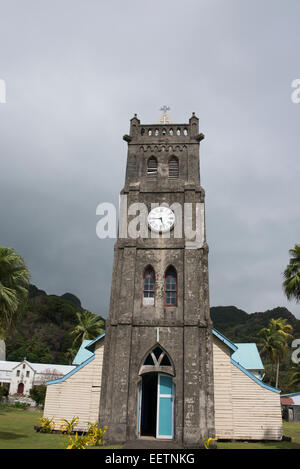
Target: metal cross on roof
(164, 118)
(165, 108)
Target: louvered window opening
(173, 169)
(152, 168)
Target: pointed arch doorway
(156, 396)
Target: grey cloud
(77, 71)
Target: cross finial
(165, 108)
(165, 119)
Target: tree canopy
(14, 281)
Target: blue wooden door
(139, 410)
(165, 407)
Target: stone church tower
(158, 366)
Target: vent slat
(173, 168)
(152, 168)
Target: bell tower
(157, 377)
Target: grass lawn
(17, 432)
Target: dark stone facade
(185, 330)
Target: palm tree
(295, 378)
(270, 345)
(275, 342)
(70, 355)
(89, 327)
(14, 280)
(281, 327)
(291, 284)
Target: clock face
(161, 219)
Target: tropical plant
(70, 354)
(291, 284)
(77, 442)
(274, 342)
(208, 442)
(68, 426)
(295, 378)
(96, 434)
(47, 424)
(14, 281)
(88, 327)
(282, 327)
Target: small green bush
(20, 405)
(77, 442)
(47, 425)
(68, 426)
(38, 394)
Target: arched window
(171, 287)
(157, 357)
(148, 286)
(157, 360)
(173, 168)
(152, 167)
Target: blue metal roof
(77, 368)
(90, 346)
(253, 377)
(83, 357)
(83, 354)
(224, 339)
(248, 356)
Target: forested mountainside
(43, 329)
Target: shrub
(38, 394)
(68, 426)
(78, 442)
(208, 442)
(47, 424)
(20, 405)
(96, 434)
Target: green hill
(239, 326)
(43, 328)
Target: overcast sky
(77, 70)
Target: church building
(164, 372)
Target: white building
(22, 376)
